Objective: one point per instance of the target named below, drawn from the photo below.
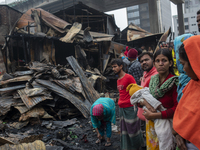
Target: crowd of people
(160, 89)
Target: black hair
(145, 53)
(139, 50)
(198, 12)
(168, 54)
(117, 61)
(182, 53)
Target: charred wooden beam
(90, 92)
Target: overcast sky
(121, 16)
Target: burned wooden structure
(89, 17)
(50, 60)
(40, 35)
(8, 18)
(135, 36)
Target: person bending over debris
(102, 114)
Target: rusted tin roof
(17, 79)
(84, 107)
(6, 103)
(31, 101)
(46, 16)
(134, 33)
(22, 109)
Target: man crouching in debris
(102, 115)
(131, 135)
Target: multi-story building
(190, 13)
(139, 15)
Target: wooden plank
(90, 92)
(37, 20)
(105, 61)
(71, 33)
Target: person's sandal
(99, 141)
(108, 144)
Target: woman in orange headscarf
(186, 119)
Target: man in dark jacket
(135, 68)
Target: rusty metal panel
(97, 37)
(6, 103)
(31, 101)
(17, 79)
(36, 112)
(5, 141)
(37, 145)
(8, 89)
(135, 33)
(50, 18)
(118, 47)
(84, 107)
(22, 73)
(22, 109)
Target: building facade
(190, 13)
(139, 15)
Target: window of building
(194, 32)
(193, 17)
(193, 24)
(130, 15)
(185, 19)
(133, 7)
(136, 21)
(186, 4)
(136, 14)
(186, 27)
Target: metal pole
(180, 19)
(74, 11)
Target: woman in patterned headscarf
(102, 115)
(183, 77)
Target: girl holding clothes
(163, 87)
(187, 115)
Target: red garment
(147, 76)
(126, 52)
(124, 97)
(169, 101)
(97, 110)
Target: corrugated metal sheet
(22, 109)
(37, 145)
(6, 103)
(84, 107)
(17, 79)
(30, 101)
(46, 16)
(5, 141)
(135, 33)
(36, 112)
(12, 88)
